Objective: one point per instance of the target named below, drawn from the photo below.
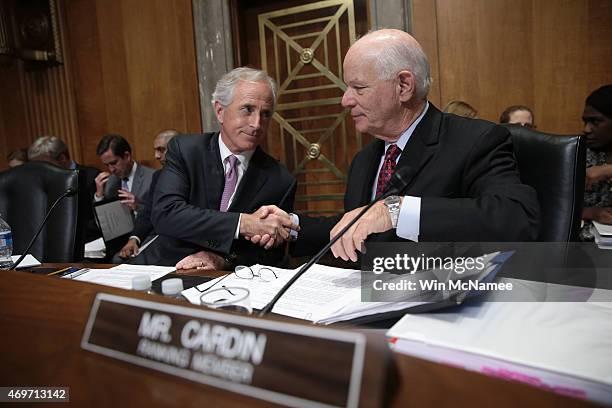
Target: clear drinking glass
(233, 299)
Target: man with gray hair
(207, 194)
(461, 174)
(52, 149)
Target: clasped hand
(267, 227)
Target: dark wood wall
(130, 69)
(547, 54)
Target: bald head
(387, 80)
(390, 51)
(160, 144)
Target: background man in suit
(53, 149)
(125, 178)
(463, 183)
(208, 191)
(143, 226)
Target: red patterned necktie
(387, 169)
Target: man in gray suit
(124, 177)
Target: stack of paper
(603, 235)
(564, 347)
(95, 249)
(322, 295)
(119, 276)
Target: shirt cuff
(237, 232)
(408, 224)
(136, 238)
(293, 235)
(98, 199)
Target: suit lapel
(137, 183)
(214, 176)
(251, 183)
(422, 144)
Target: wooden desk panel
(43, 319)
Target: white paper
(323, 294)
(120, 276)
(558, 346)
(28, 261)
(536, 342)
(115, 219)
(145, 246)
(604, 230)
(95, 249)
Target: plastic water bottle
(173, 288)
(6, 245)
(142, 283)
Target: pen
(60, 271)
(77, 273)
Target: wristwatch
(393, 205)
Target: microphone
(400, 179)
(69, 192)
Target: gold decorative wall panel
(302, 48)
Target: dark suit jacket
(188, 194)
(465, 172)
(142, 225)
(87, 189)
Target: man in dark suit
(143, 228)
(463, 182)
(207, 193)
(53, 149)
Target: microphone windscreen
(400, 180)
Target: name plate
(284, 363)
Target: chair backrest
(555, 166)
(26, 193)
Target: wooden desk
(43, 319)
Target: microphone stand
(397, 183)
(69, 192)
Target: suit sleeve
(494, 204)
(142, 225)
(173, 215)
(314, 231)
(142, 195)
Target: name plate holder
(284, 363)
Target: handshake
(267, 227)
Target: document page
(261, 293)
(120, 276)
(317, 294)
(115, 219)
